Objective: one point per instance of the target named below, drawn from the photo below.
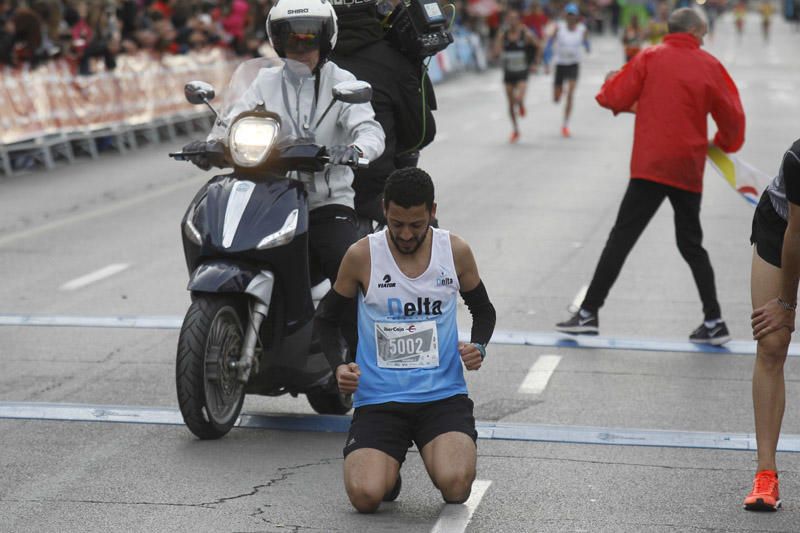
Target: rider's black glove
(201, 159)
(344, 155)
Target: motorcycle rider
(402, 105)
(305, 31)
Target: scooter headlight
(283, 235)
(251, 139)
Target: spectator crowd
(36, 31)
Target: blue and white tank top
(407, 330)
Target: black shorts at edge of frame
(767, 232)
(565, 72)
(392, 427)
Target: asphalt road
(536, 214)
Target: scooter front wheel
(209, 395)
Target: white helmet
(313, 19)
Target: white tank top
(569, 44)
(407, 330)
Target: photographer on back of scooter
(403, 103)
(305, 31)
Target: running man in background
(773, 287)
(566, 45)
(519, 49)
(739, 14)
(632, 38)
(767, 10)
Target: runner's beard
(418, 241)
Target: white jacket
(344, 124)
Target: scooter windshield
(275, 83)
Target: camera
(418, 28)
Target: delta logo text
(423, 306)
(444, 280)
(387, 283)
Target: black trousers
(640, 203)
(331, 231)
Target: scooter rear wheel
(209, 395)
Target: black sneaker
(395, 492)
(578, 325)
(716, 336)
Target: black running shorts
(767, 232)
(392, 427)
(513, 78)
(565, 72)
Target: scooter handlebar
(183, 156)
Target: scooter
(249, 328)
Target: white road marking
(539, 375)
(455, 518)
(128, 414)
(105, 210)
(92, 277)
(543, 339)
(576, 303)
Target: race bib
(407, 344)
(516, 61)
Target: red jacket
(672, 88)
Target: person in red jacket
(672, 88)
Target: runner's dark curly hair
(408, 187)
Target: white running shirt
(569, 43)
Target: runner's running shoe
(715, 336)
(514, 137)
(395, 492)
(579, 325)
(565, 132)
(765, 495)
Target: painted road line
(578, 300)
(341, 424)
(539, 374)
(107, 209)
(455, 518)
(124, 322)
(506, 338)
(92, 277)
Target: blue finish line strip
(508, 338)
(340, 424)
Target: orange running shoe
(514, 137)
(565, 132)
(765, 495)
(521, 109)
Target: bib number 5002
(405, 346)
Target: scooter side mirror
(352, 92)
(198, 92)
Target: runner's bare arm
(478, 303)
(497, 46)
(466, 267)
(354, 270)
